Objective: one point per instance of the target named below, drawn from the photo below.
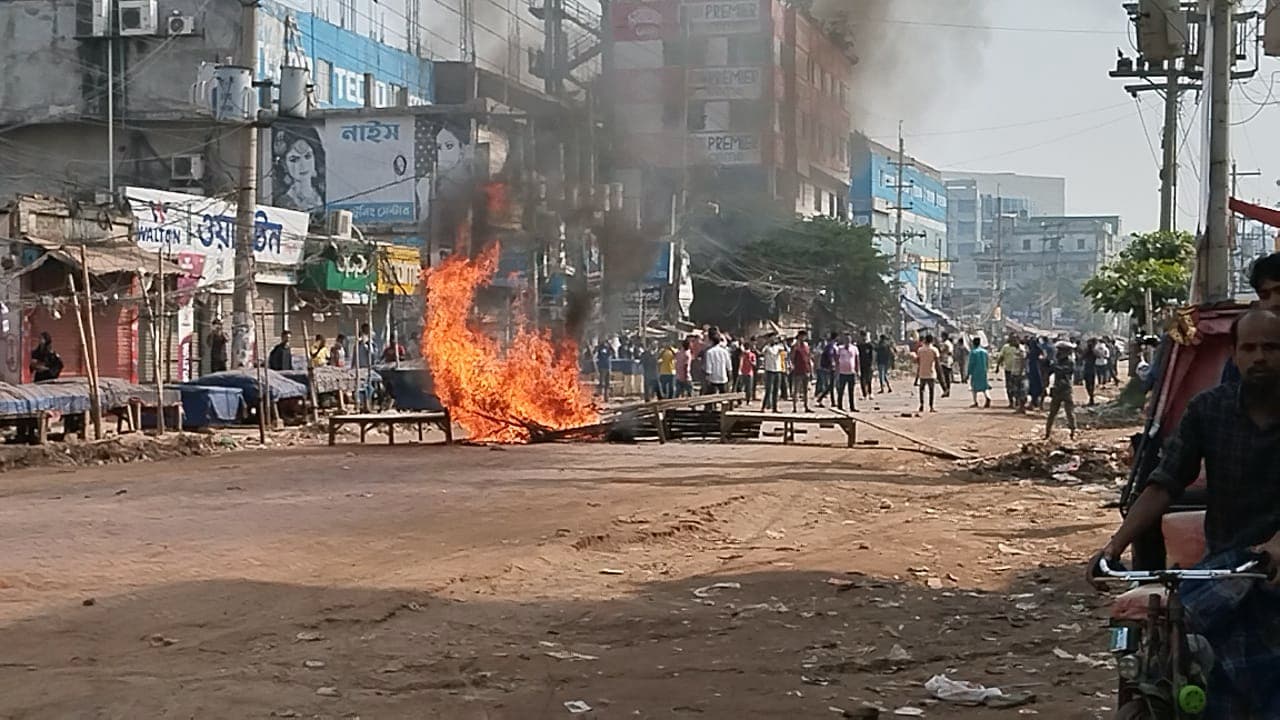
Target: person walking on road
(667, 371)
(978, 369)
(946, 364)
(1102, 361)
(1063, 371)
(649, 367)
(718, 362)
(746, 383)
(1090, 369)
(827, 370)
(801, 372)
(1013, 361)
(928, 368)
(684, 369)
(847, 373)
(866, 364)
(884, 363)
(962, 359)
(604, 369)
(773, 374)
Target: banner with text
(725, 148)
(199, 233)
(726, 83)
(726, 17)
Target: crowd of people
(841, 369)
(772, 369)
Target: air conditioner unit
(180, 25)
(136, 17)
(340, 224)
(186, 167)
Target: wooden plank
(937, 448)
(807, 418)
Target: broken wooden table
(657, 410)
(438, 418)
(789, 421)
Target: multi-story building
(742, 98)
(1043, 195)
(1045, 261)
(873, 200)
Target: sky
(1026, 90)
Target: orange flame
(493, 395)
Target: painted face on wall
(448, 151)
(300, 162)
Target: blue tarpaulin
(246, 380)
(70, 395)
(206, 405)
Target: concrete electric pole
(900, 237)
(244, 290)
(1213, 263)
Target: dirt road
(431, 582)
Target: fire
(496, 396)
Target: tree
(1161, 262)
(836, 263)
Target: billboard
(199, 233)
(385, 171)
(636, 20)
(725, 83)
(725, 148)
(724, 17)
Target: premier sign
(726, 83)
(726, 148)
(728, 17)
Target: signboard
(344, 267)
(727, 17)
(726, 83)
(370, 169)
(636, 20)
(182, 225)
(399, 270)
(725, 148)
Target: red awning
(1265, 215)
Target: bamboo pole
(311, 372)
(95, 400)
(264, 391)
(158, 328)
(95, 411)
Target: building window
(697, 119)
(347, 14)
(1026, 244)
(804, 125)
(844, 95)
(324, 81)
(817, 199)
(1080, 242)
(812, 73)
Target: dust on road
(414, 582)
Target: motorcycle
(1164, 668)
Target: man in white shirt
(773, 374)
(716, 362)
(1102, 358)
(946, 363)
(847, 367)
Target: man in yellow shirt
(667, 371)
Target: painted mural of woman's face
(300, 162)
(448, 151)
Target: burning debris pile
(1096, 464)
(497, 396)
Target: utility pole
(1213, 266)
(244, 290)
(899, 237)
(1169, 173)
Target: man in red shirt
(801, 371)
(747, 371)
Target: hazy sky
(1030, 93)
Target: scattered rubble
(118, 449)
(1064, 464)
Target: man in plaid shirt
(1234, 430)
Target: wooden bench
(789, 421)
(367, 420)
